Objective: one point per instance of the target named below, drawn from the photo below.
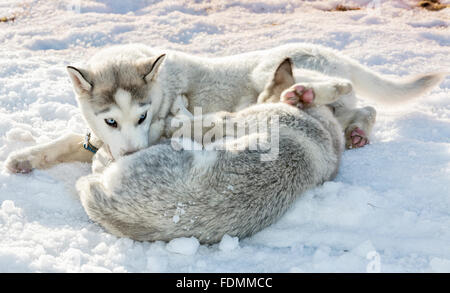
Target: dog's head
(119, 98)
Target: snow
(388, 209)
(228, 243)
(183, 245)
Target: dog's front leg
(67, 148)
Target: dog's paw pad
(298, 96)
(19, 166)
(356, 138)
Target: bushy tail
(366, 82)
(381, 89)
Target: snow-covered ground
(388, 210)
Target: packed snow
(388, 210)
(183, 245)
(228, 243)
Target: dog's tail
(366, 82)
(389, 91)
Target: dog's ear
(80, 80)
(282, 79)
(149, 67)
(283, 75)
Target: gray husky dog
(128, 93)
(162, 193)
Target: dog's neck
(173, 84)
(182, 75)
(174, 81)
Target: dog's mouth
(108, 151)
(129, 153)
(110, 154)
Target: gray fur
(161, 193)
(235, 194)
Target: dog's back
(161, 193)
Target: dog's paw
(304, 95)
(355, 137)
(329, 92)
(343, 88)
(20, 163)
(299, 96)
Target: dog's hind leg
(67, 148)
(358, 131)
(303, 95)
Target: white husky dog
(128, 93)
(161, 193)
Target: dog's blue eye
(142, 118)
(111, 122)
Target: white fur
(216, 84)
(129, 136)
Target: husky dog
(161, 193)
(127, 94)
